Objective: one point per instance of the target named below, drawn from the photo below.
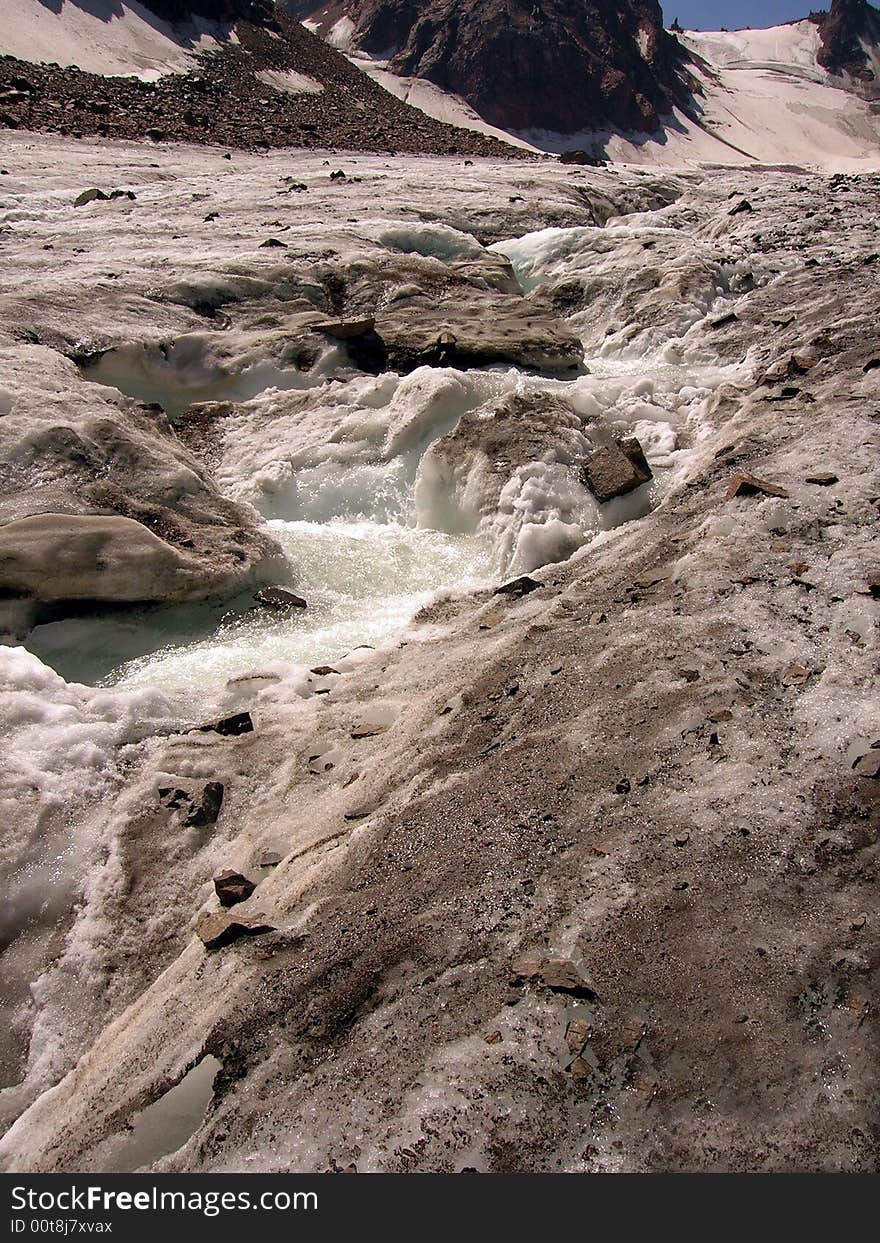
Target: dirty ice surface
(345, 467)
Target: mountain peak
(844, 31)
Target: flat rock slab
(560, 975)
(345, 329)
(216, 929)
(743, 484)
(481, 333)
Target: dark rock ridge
(559, 65)
(262, 11)
(843, 30)
(223, 101)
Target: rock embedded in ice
(217, 929)
(232, 887)
(505, 472)
(519, 587)
(199, 806)
(560, 975)
(723, 320)
(616, 469)
(369, 729)
(230, 726)
(743, 484)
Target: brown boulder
(616, 469)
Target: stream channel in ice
(362, 554)
(339, 472)
(335, 461)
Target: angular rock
(89, 196)
(616, 470)
(230, 726)
(233, 887)
(519, 587)
(743, 484)
(822, 480)
(280, 598)
(868, 765)
(576, 1035)
(200, 806)
(216, 929)
(560, 975)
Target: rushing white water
(363, 581)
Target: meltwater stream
(363, 581)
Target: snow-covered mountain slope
(764, 99)
(761, 96)
(107, 37)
